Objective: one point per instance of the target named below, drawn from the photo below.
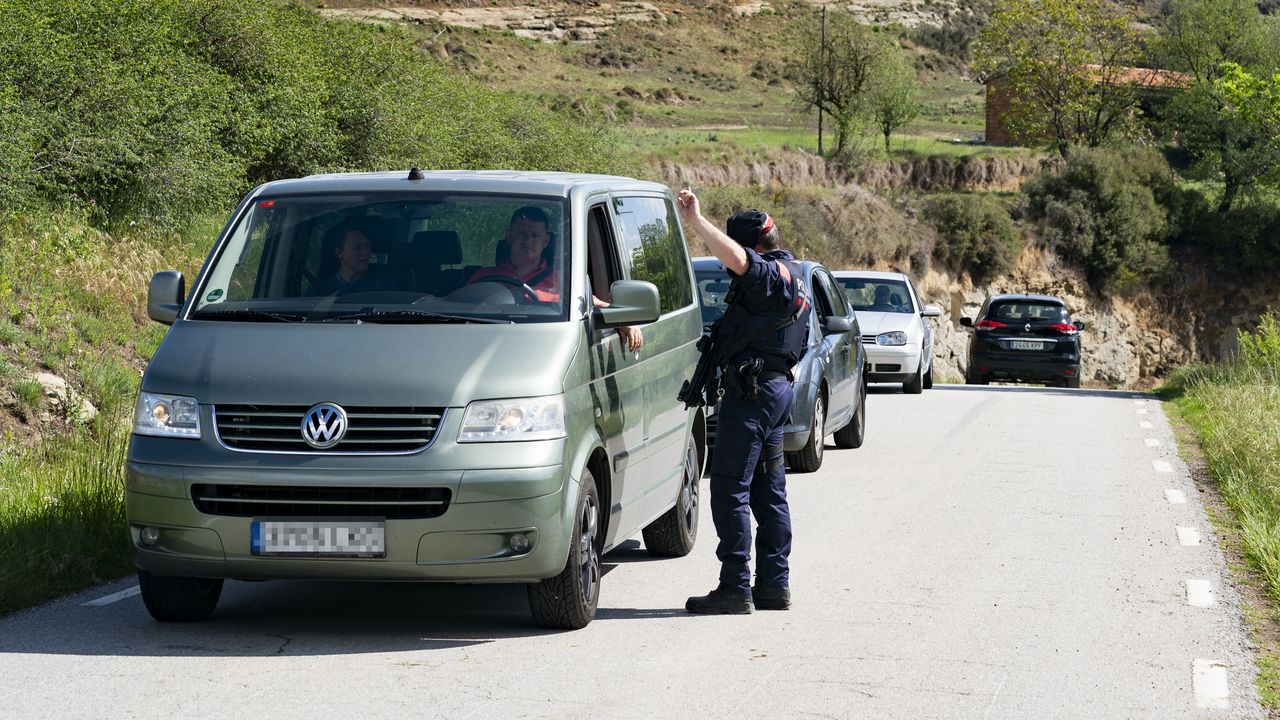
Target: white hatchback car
(899, 343)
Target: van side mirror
(1079, 325)
(837, 324)
(967, 322)
(931, 310)
(635, 302)
(165, 295)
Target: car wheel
(928, 377)
(568, 600)
(673, 534)
(852, 435)
(179, 599)
(915, 385)
(1072, 382)
(973, 377)
(809, 458)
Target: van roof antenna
(415, 173)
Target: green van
(368, 382)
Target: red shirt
(547, 289)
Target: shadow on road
(299, 618)
(891, 389)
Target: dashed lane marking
(114, 597)
(1209, 682)
(1161, 466)
(1199, 593)
(1188, 536)
(1152, 442)
(1175, 496)
(1141, 410)
(1145, 425)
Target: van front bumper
(467, 543)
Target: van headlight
(897, 337)
(167, 416)
(539, 418)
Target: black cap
(746, 226)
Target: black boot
(721, 601)
(771, 598)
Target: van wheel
(179, 599)
(852, 435)
(568, 600)
(809, 458)
(673, 534)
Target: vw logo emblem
(324, 426)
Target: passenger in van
(528, 235)
(354, 274)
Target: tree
(1253, 99)
(1198, 37)
(894, 96)
(836, 79)
(1062, 62)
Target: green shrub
(111, 386)
(1243, 242)
(1113, 212)
(30, 394)
(977, 234)
(161, 108)
(1261, 349)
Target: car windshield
(713, 285)
(1024, 312)
(876, 295)
(382, 257)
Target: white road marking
(1141, 411)
(1139, 402)
(114, 597)
(1199, 593)
(1175, 496)
(1161, 466)
(1209, 680)
(1188, 536)
(1152, 442)
(1144, 425)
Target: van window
(392, 257)
(655, 248)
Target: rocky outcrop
(64, 399)
(548, 22)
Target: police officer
(747, 473)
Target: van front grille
(393, 503)
(370, 430)
(869, 339)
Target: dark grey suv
(830, 384)
(1024, 338)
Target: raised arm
(725, 248)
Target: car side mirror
(837, 324)
(635, 302)
(931, 310)
(967, 322)
(1079, 325)
(165, 295)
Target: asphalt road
(989, 553)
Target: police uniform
(747, 469)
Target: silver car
(830, 385)
(891, 316)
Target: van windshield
(381, 257)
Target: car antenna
(415, 173)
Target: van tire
(568, 600)
(179, 599)
(674, 533)
(852, 435)
(809, 458)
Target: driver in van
(527, 236)
(354, 274)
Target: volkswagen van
(358, 388)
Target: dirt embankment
(801, 169)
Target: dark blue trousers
(740, 488)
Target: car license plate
(1025, 345)
(330, 538)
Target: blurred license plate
(337, 538)
(1025, 345)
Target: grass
(1234, 409)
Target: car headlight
(167, 416)
(897, 337)
(539, 418)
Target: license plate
(330, 538)
(1025, 345)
